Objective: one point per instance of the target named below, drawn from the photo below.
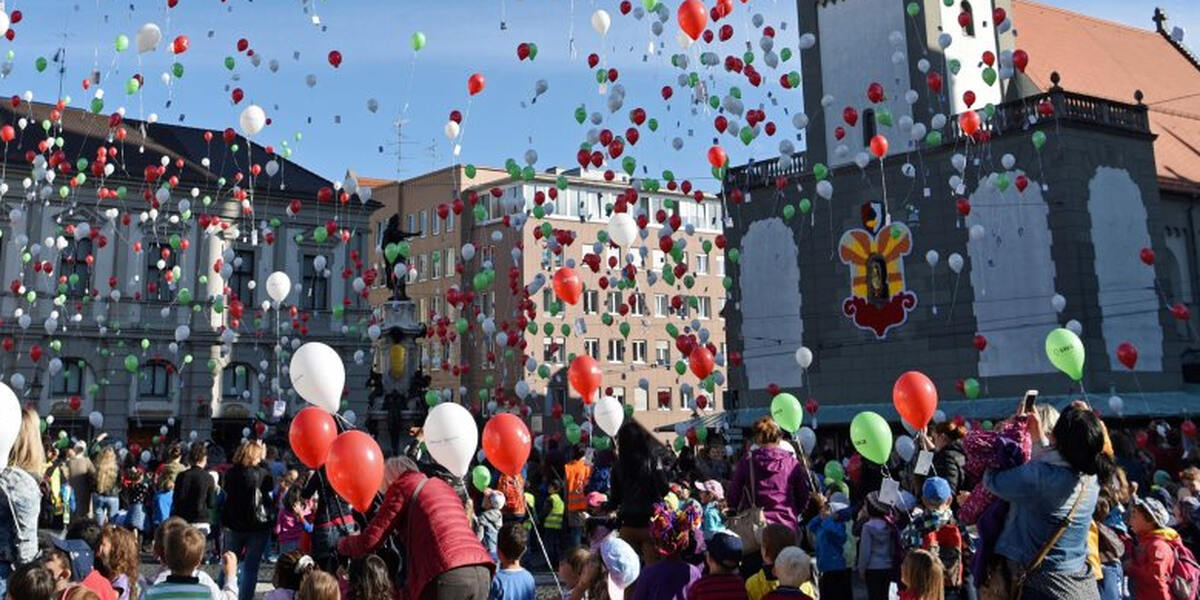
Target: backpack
(1185, 573)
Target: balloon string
(553, 571)
(954, 296)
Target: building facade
(137, 290)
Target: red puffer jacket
(434, 531)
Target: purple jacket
(780, 485)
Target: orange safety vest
(578, 472)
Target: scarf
(927, 522)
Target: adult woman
(20, 498)
(424, 514)
(1052, 500)
(949, 459)
(106, 501)
(638, 481)
(247, 512)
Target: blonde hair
(106, 471)
(27, 452)
(319, 585)
(250, 453)
(922, 574)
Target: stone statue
(393, 235)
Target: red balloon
(701, 362)
(875, 92)
(181, 44)
(476, 83)
(35, 353)
(1188, 428)
(667, 92)
(989, 58)
(879, 146)
(969, 98)
(584, 375)
(850, 116)
(355, 468)
(75, 402)
(692, 18)
(1143, 439)
(7, 133)
(335, 58)
(1181, 312)
(980, 343)
(934, 81)
(506, 443)
(969, 122)
(1128, 355)
(915, 398)
(311, 434)
(717, 157)
(567, 285)
(1020, 59)
(964, 206)
(1147, 256)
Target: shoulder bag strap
(753, 490)
(1062, 528)
(412, 502)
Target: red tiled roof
(1110, 60)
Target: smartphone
(1030, 399)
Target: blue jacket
(1041, 493)
(831, 543)
(20, 501)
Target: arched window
(73, 264)
(71, 380)
(236, 379)
(155, 380)
(967, 19)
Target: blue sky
(464, 36)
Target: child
(289, 574)
(512, 582)
(319, 585)
(1158, 546)
(292, 521)
(229, 562)
(119, 559)
(876, 556)
(31, 582)
(553, 537)
(488, 525)
(723, 556)
(70, 563)
(183, 549)
(921, 575)
(572, 566)
(712, 496)
(936, 530)
(369, 579)
(830, 537)
(671, 532)
(794, 569)
(775, 537)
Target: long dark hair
(369, 579)
(1079, 437)
(634, 454)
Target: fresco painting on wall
(879, 300)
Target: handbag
(1000, 583)
(749, 522)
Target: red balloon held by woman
(1128, 355)
(567, 285)
(585, 377)
(354, 467)
(506, 443)
(693, 18)
(311, 434)
(915, 398)
(476, 83)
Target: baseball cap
(713, 487)
(936, 490)
(1155, 510)
(79, 554)
(726, 548)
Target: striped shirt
(179, 588)
(729, 586)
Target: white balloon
(1116, 404)
(1058, 302)
(10, 419)
(622, 229)
(807, 438)
(807, 41)
(825, 189)
(609, 414)
(148, 37)
(252, 120)
(279, 285)
(932, 257)
(1075, 327)
(451, 130)
(601, 21)
(318, 375)
(976, 232)
(350, 416)
(468, 251)
(905, 447)
(451, 436)
(1008, 161)
(955, 262)
(804, 357)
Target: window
(412, 223)
(637, 304)
(157, 287)
(69, 381)
(424, 223)
(554, 351)
(969, 29)
(449, 267)
(591, 301)
(423, 267)
(74, 265)
(662, 305)
(721, 307)
(720, 264)
(591, 347)
(616, 350)
(641, 399)
(613, 303)
(488, 253)
(437, 264)
(659, 259)
(316, 287)
(548, 300)
(243, 274)
(639, 351)
(702, 264)
(687, 399)
(704, 307)
(155, 379)
(234, 380)
(437, 225)
(618, 393)
(664, 398)
(869, 127)
(662, 353)
(561, 355)
(450, 221)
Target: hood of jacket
(770, 460)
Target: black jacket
(950, 464)
(195, 496)
(238, 512)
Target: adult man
(195, 491)
(577, 472)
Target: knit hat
(1155, 511)
(725, 548)
(936, 490)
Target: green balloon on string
(1066, 353)
(971, 387)
(131, 363)
(871, 436)
(1039, 139)
(787, 412)
(789, 211)
(934, 138)
(913, 9)
(431, 398)
(805, 205)
(481, 477)
(820, 171)
(177, 70)
(734, 255)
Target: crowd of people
(1045, 504)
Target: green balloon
(40, 64)
(971, 387)
(431, 398)
(1039, 139)
(460, 325)
(834, 471)
(544, 371)
(820, 171)
(871, 436)
(680, 367)
(177, 70)
(628, 164)
(989, 76)
(628, 411)
(746, 135)
(320, 234)
(650, 4)
(470, 171)
(624, 330)
(913, 9)
(789, 211)
(785, 54)
(131, 363)
(734, 255)
(481, 477)
(122, 43)
(787, 412)
(805, 205)
(532, 51)
(934, 138)
(230, 63)
(955, 66)
(652, 124)
(1065, 351)
(580, 115)
(573, 433)
(884, 117)
(418, 41)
